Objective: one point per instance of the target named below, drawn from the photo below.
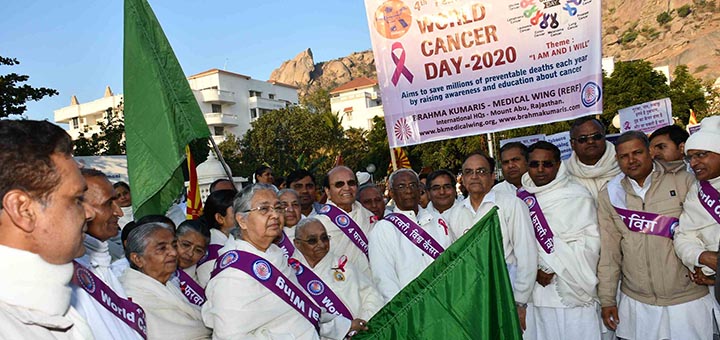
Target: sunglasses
(545, 164)
(340, 184)
(325, 238)
(478, 171)
(586, 138)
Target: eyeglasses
(340, 184)
(478, 171)
(313, 240)
(586, 138)
(545, 164)
(401, 187)
(300, 186)
(698, 155)
(444, 187)
(265, 209)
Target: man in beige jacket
(42, 219)
(638, 212)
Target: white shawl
(594, 177)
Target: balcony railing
(265, 103)
(225, 119)
(218, 96)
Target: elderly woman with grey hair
(153, 261)
(253, 292)
(290, 199)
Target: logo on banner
(295, 265)
(399, 61)
(315, 287)
(85, 279)
(673, 227)
(261, 269)
(590, 94)
(228, 259)
(325, 208)
(393, 19)
(530, 201)
(402, 129)
(342, 221)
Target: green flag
(161, 113)
(464, 294)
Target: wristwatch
(520, 305)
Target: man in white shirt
(42, 218)
(441, 191)
(395, 259)
(513, 162)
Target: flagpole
(221, 159)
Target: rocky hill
(664, 32)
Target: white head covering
(708, 138)
(362, 177)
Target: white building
(229, 101)
(358, 102)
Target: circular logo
(325, 209)
(342, 221)
(228, 259)
(295, 265)
(673, 226)
(393, 19)
(315, 287)
(86, 280)
(530, 201)
(590, 94)
(402, 129)
(261, 269)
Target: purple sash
(709, 198)
(648, 223)
(286, 245)
(272, 278)
(318, 290)
(419, 237)
(211, 254)
(543, 233)
(124, 309)
(346, 224)
(192, 291)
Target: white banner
(646, 117)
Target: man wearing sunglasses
(518, 241)
(441, 191)
(344, 218)
(395, 256)
(696, 239)
(592, 162)
(564, 220)
(637, 213)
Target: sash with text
(347, 225)
(415, 234)
(709, 198)
(191, 289)
(648, 223)
(543, 232)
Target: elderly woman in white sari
(253, 292)
(193, 238)
(153, 262)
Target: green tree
(109, 141)
(317, 101)
(355, 148)
(230, 150)
(687, 92)
(14, 95)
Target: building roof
(214, 71)
(275, 82)
(355, 84)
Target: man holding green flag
(161, 113)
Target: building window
(271, 96)
(219, 131)
(253, 113)
(216, 108)
(255, 94)
(75, 123)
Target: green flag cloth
(464, 294)
(161, 113)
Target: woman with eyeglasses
(218, 214)
(193, 238)
(254, 292)
(290, 200)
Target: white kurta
(103, 323)
(203, 271)
(356, 290)
(594, 177)
(519, 242)
(572, 215)
(395, 260)
(505, 187)
(239, 307)
(341, 244)
(168, 313)
(445, 214)
(35, 299)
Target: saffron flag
(464, 294)
(693, 119)
(161, 113)
(401, 160)
(194, 200)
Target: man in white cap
(696, 239)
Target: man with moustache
(303, 182)
(564, 218)
(697, 236)
(396, 256)
(513, 161)
(42, 220)
(95, 280)
(441, 191)
(667, 143)
(347, 222)
(518, 241)
(370, 196)
(638, 211)
(592, 162)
